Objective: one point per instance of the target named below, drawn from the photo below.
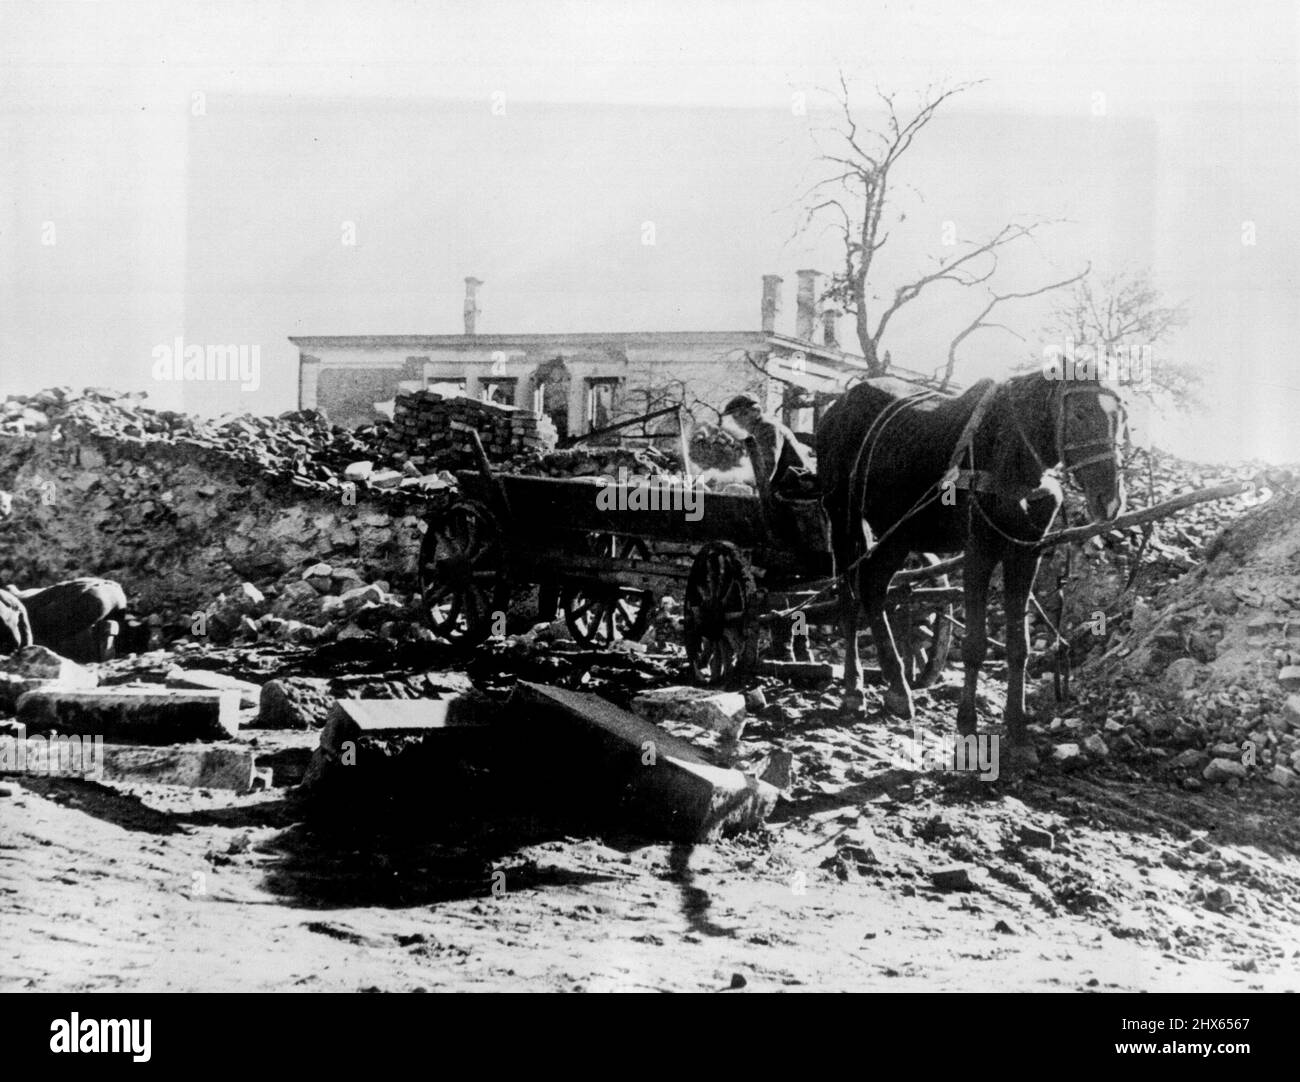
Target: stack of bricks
(426, 424)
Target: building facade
(586, 381)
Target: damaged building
(585, 381)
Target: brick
(133, 715)
(658, 784)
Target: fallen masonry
(199, 766)
(205, 680)
(655, 782)
(36, 667)
(150, 715)
(722, 711)
(364, 738)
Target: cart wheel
(597, 615)
(923, 633)
(462, 573)
(721, 625)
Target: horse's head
(1089, 423)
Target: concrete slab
(133, 715)
(194, 765)
(657, 783)
(363, 738)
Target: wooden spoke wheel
(462, 573)
(598, 615)
(922, 629)
(720, 617)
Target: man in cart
(783, 459)
(791, 475)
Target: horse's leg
(977, 568)
(1018, 571)
(845, 552)
(848, 596)
(875, 576)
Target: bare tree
(981, 321)
(1127, 312)
(856, 194)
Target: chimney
(471, 305)
(830, 335)
(806, 304)
(771, 301)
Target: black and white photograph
(652, 496)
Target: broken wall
(178, 524)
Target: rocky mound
(1203, 681)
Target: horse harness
(983, 481)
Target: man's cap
(740, 402)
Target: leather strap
(972, 424)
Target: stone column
(308, 381)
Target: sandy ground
(1147, 887)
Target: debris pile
(713, 448)
(1203, 682)
(1108, 575)
(300, 445)
(639, 463)
(322, 603)
(427, 425)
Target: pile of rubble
(299, 445)
(321, 604)
(427, 425)
(639, 463)
(1203, 679)
(1112, 573)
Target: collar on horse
(976, 480)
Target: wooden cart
(738, 564)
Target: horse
(891, 474)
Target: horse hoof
(899, 703)
(851, 703)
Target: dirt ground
(1147, 887)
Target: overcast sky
(198, 163)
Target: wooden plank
(544, 504)
(1149, 514)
